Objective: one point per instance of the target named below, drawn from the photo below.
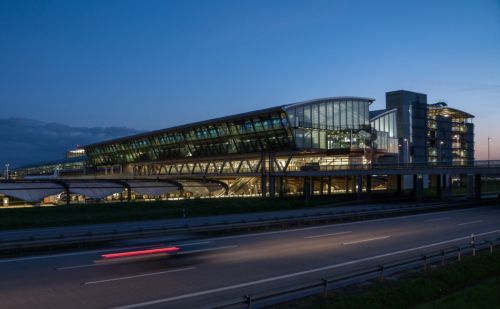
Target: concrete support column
(477, 186)
(439, 191)
(281, 190)
(263, 178)
(399, 184)
(418, 187)
(263, 185)
(329, 185)
(368, 184)
(272, 188)
(470, 186)
(321, 184)
(359, 189)
(346, 182)
(354, 182)
(68, 196)
(307, 188)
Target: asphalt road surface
(20, 234)
(211, 270)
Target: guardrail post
(459, 254)
(248, 301)
(473, 244)
(325, 286)
(424, 257)
(381, 278)
(491, 247)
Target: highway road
(210, 270)
(20, 234)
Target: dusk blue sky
(155, 64)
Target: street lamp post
(399, 154)
(7, 171)
(441, 152)
(489, 140)
(407, 156)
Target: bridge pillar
(368, 184)
(68, 196)
(418, 187)
(281, 190)
(263, 185)
(399, 184)
(477, 186)
(353, 184)
(470, 186)
(321, 185)
(359, 186)
(439, 191)
(272, 188)
(129, 194)
(307, 187)
(346, 182)
(329, 185)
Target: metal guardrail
(378, 272)
(89, 237)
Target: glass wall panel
(315, 138)
(329, 112)
(315, 116)
(343, 113)
(336, 115)
(307, 139)
(323, 115)
(307, 115)
(349, 114)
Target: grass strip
(413, 290)
(483, 295)
(11, 218)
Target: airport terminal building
(257, 153)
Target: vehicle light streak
(140, 252)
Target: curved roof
(380, 113)
(370, 100)
(189, 125)
(228, 118)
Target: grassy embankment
(133, 211)
(472, 283)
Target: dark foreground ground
(215, 269)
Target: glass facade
(336, 123)
(385, 125)
(450, 135)
(331, 123)
(250, 133)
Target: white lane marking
(80, 266)
(245, 284)
(207, 250)
(337, 225)
(250, 235)
(437, 219)
(118, 261)
(365, 240)
(140, 276)
(326, 235)
(472, 222)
